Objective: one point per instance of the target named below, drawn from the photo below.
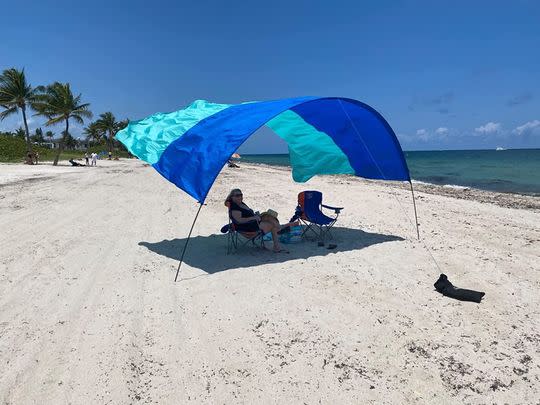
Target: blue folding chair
(310, 206)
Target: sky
(445, 75)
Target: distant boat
(500, 148)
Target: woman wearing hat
(246, 220)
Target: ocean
(508, 171)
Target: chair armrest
(336, 209)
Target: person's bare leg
(273, 229)
(288, 225)
(275, 238)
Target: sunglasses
(238, 195)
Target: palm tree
(93, 132)
(38, 136)
(57, 103)
(107, 123)
(16, 94)
(122, 124)
(69, 141)
(50, 135)
(19, 133)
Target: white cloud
(527, 127)
(29, 121)
(404, 137)
(489, 128)
(441, 131)
(422, 134)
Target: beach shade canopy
(325, 135)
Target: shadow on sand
(209, 253)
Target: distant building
(80, 144)
(48, 145)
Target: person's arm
(237, 216)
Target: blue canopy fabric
(325, 135)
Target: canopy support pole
(415, 215)
(187, 241)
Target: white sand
(89, 313)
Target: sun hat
(271, 213)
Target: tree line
(58, 105)
(39, 137)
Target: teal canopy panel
(311, 152)
(149, 137)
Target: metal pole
(415, 215)
(187, 241)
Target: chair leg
(233, 245)
(321, 232)
(237, 242)
(306, 227)
(230, 243)
(329, 228)
(317, 230)
(329, 234)
(313, 228)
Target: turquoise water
(507, 171)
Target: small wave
(423, 183)
(451, 186)
(456, 187)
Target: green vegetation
(38, 136)
(57, 104)
(13, 149)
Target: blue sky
(446, 75)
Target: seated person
(73, 163)
(29, 160)
(246, 220)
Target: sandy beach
(89, 312)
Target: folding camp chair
(311, 215)
(233, 236)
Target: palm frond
(107, 123)
(58, 103)
(77, 118)
(53, 120)
(7, 112)
(83, 113)
(93, 132)
(14, 89)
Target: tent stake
(187, 241)
(415, 216)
